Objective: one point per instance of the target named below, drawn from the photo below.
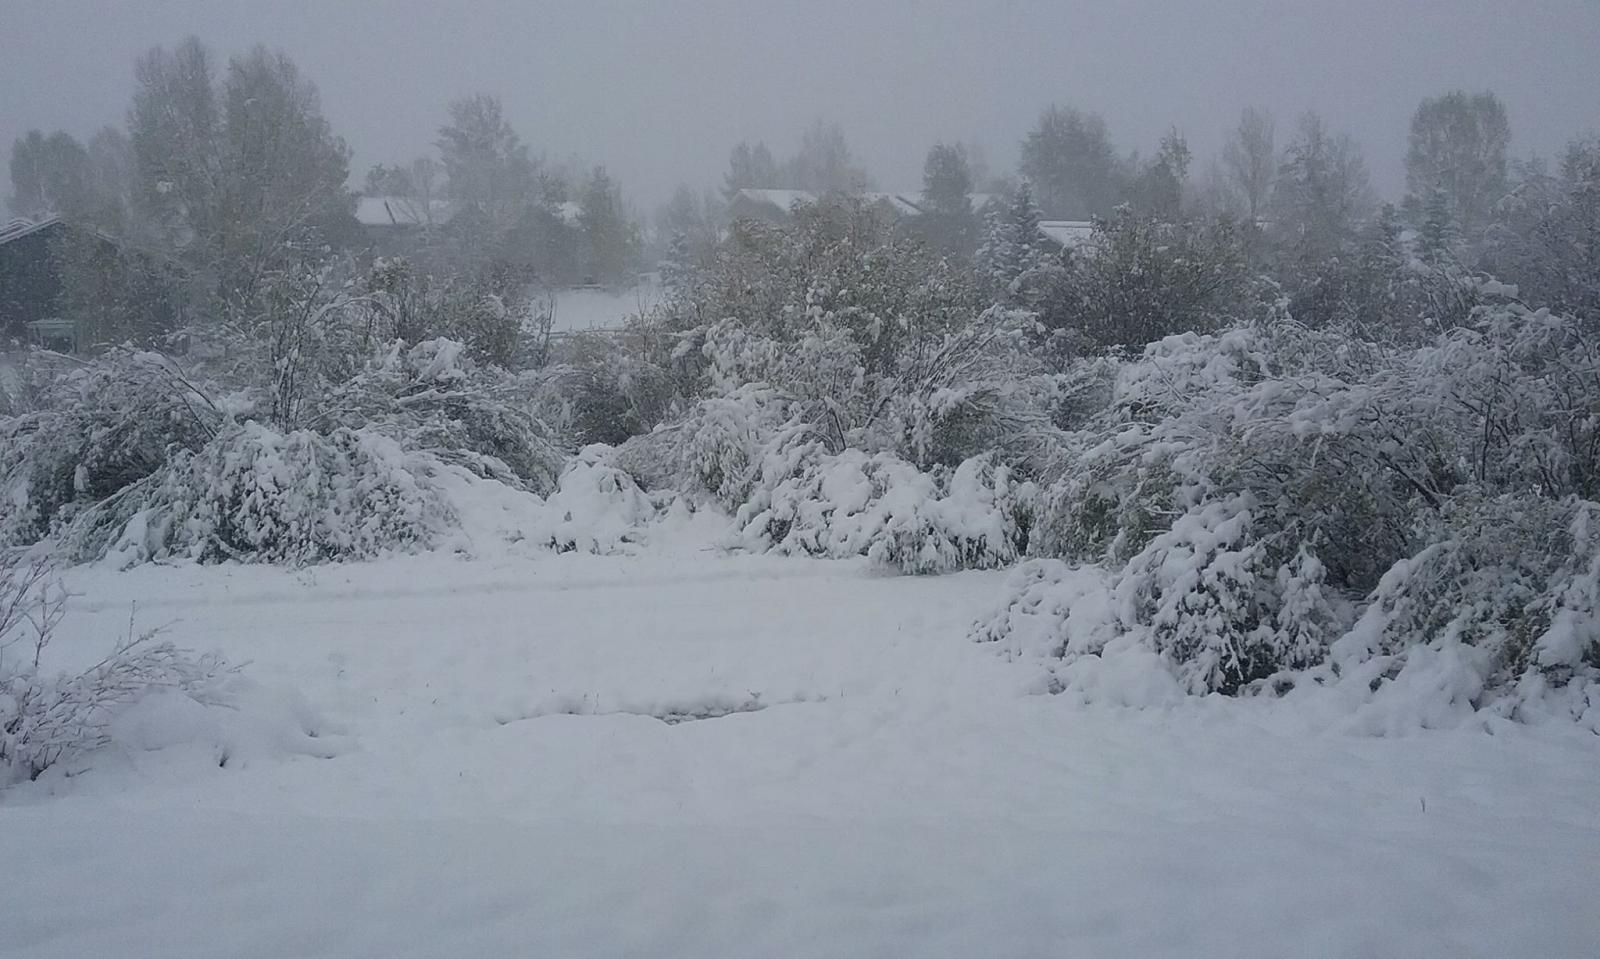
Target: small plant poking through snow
(45, 720)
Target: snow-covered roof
(982, 201)
(784, 200)
(21, 227)
(899, 202)
(1068, 233)
(402, 211)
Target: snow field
(435, 755)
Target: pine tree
(1012, 245)
(1438, 233)
(677, 266)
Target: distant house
(393, 224)
(129, 286)
(1067, 234)
(899, 204)
(983, 202)
(774, 206)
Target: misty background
(660, 92)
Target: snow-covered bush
(1214, 601)
(876, 342)
(604, 388)
(879, 506)
(434, 398)
(131, 451)
(597, 507)
(1139, 278)
(1252, 491)
(1508, 589)
(47, 719)
(94, 429)
(256, 495)
(1223, 603)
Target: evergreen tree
(1437, 233)
(1012, 243)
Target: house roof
(402, 211)
(903, 204)
(899, 202)
(784, 200)
(19, 228)
(1067, 233)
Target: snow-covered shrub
(597, 507)
(1508, 589)
(1139, 278)
(716, 449)
(433, 397)
(47, 719)
(1050, 609)
(1224, 602)
(608, 388)
(721, 442)
(853, 504)
(256, 495)
(1216, 602)
(1253, 490)
(876, 342)
(94, 429)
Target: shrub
(1509, 584)
(256, 495)
(597, 508)
(433, 397)
(881, 507)
(95, 430)
(1224, 602)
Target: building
(394, 224)
(771, 206)
(774, 206)
(135, 292)
(1067, 234)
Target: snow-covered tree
(1012, 244)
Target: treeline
(230, 173)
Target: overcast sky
(660, 91)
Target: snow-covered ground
(442, 756)
(595, 308)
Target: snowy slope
(489, 776)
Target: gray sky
(660, 91)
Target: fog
(660, 92)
